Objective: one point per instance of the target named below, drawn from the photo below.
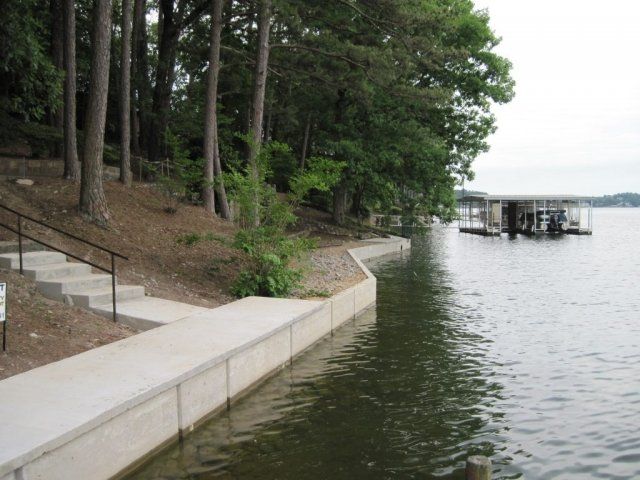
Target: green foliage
(270, 252)
(181, 178)
(263, 236)
(382, 97)
(38, 136)
(31, 83)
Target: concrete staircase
(76, 284)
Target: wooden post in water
(478, 468)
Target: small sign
(3, 302)
(3, 314)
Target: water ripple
(522, 349)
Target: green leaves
(32, 83)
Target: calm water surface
(523, 349)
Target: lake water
(523, 349)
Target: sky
(574, 124)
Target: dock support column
(535, 223)
(486, 217)
(579, 215)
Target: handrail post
(20, 242)
(113, 284)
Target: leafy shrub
(184, 177)
(264, 218)
(269, 252)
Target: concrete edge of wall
(129, 433)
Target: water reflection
(522, 349)
(409, 394)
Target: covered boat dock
(492, 215)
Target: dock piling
(478, 468)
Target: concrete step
(148, 312)
(59, 287)
(57, 270)
(30, 259)
(93, 297)
(27, 246)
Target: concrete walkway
(93, 415)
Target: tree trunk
(135, 121)
(71, 163)
(305, 142)
(356, 202)
(57, 55)
(266, 136)
(259, 88)
(93, 204)
(212, 167)
(340, 202)
(125, 95)
(210, 116)
(225, 211)
(140, 78)
(169, 35)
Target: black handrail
(21, 234)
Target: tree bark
(70, 151)
(340, 202)
(212, 167)
(169, 34)
(305, 142)
(225, 210)
(57, 55)
(125, 95)
(210, 120)
(93, 203)
(141, 87)
(259, 89)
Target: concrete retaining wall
(96, 414)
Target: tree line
(626, 199)
(398, 93)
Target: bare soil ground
(184, 256)
(41, 331)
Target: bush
(270, 253)
(184, 177)
(264, 218)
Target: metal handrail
(21, 234)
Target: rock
(24, 181)
(34, 335)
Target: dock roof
(521, 198)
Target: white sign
(3, 302)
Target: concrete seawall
(94, 415)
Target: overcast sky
(574, 125)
